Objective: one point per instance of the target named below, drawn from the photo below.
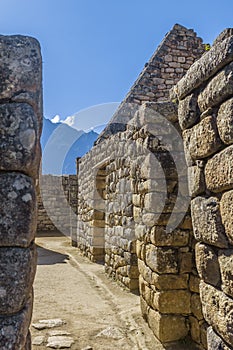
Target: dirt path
(70, 287)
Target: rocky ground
(87, 310)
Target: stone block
(206, 67)
(187, 112)
(196, 181)
(186, 140)
(21, 69)
(185, 262)
(207, 264)
(225, 259)
(169, 281)
(215, 341)
(203, 330)
(207, 225)
(18, 210)
(226, 209)
(219, 171)
(161, 260)
(195, 329)
(218, 89)
(196, 307)
(19, 144)
(167, 328)
(144, 307)
(150, 111)
(17, 271)
(172, 302)
(14, 328)
(150, 219)
(154, 202)
(204, 139)
(217, 310)
(176, 238)
(194, 283)
(225, 121)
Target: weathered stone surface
(150, 111)
(204, 139)
(57, 332)
(194, 283)
(218, 89)
(169, 281)
(17, 225)
(14, 329)
(111, 332)
(167, 327)
(176, 238)
(226, 209)
(17, 271)
(217, 310)
(226, 33)
(161, 260)
(207, 225)
(21, 71)
(196, 307)
(195, 329)
(196, 181)
(226, 268)
(38, 340)
(206, 67)
(207, 264)
(187, 112)
(219, 171)
(203, 334)
(215, 342)
(19, 144)
(185, 262)
(186, 140)
(225, 121)
(51, 323)
(60, 342)
(172, 302)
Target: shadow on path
(49, 257)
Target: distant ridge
(60, 141)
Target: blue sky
(93, 50)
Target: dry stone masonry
(205, 114)
(155, 192)
(57, 204)
(154, 195)
(139, 187)
(21, 124)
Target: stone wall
(106, 213)
(168, 278)
(206, 117)
(176, 53)
(57, 204)
(21, 124)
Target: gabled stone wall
(206, 117)
(106, 222)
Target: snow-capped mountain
(61, 145)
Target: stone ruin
(153, 197)
(155, 192)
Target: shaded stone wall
(21, 124)
(205, 115)
(57, 200)
(168, 279)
